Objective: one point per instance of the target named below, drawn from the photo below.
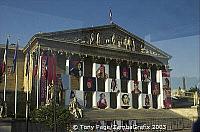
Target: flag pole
(5, 83)
(16, 84)
(16, 81)
(38, 77)
(27, 92)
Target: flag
(46, 67)
(35, 69)
(51, 68)
(5, 57)
(15, 58)
(37, 58)
(43, 81)
(27, 60)
(110, 16)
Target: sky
(171, 25)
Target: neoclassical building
(103, 67)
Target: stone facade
(116, 51)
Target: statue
(98, 38)
(107, 41)
(133, 45)
(129, 43)
(125, 42)
(113, 39)
(92, 38)
(74, 108)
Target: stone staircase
(126, 114)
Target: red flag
(54, 67)
(35, 70)
(51, 68)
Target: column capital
(118, 61)
(129, 63)
(82, 57)
(107, 60)
(94, 59)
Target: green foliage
(45, 115)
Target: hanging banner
(125, 72)
(166, 89)
(103, 99)
(76, 68)
(147, 100)
(102, 71)
(155, 88)
(135, 87)
(114, 85)
(125, 99)
(43, 81)
(89, 84)
(165, 73)
(146, 75)
(70, 94)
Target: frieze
(109, 37)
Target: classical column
(130, 72)
(130, 96)
(139, 74)
(119, 101)
(67, 66)
(81, 83)
(130, 85)
(94, 99)
(151, 103)
(107, 83)
(108, 101)
(94, 68)
(161, 105)
(118, 70)
(158, 76)
(140, 101)
(149, 87)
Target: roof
(10, 46)
(50, 35)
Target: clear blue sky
(173, 25)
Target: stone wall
(11, 77)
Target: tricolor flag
(15, 58)
(5, 57)
(110, 16)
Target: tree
(45, 115)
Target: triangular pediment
(109, 36)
